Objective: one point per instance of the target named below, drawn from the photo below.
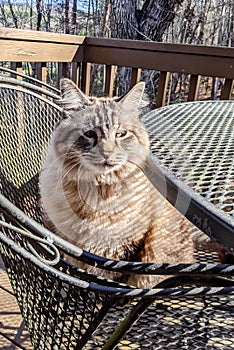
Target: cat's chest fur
(98, 217)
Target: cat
(94, 192)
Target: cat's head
(101, 135)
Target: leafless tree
(13, 14)
(3, 16)
(39, 13)
(74, 16)
(67, 22)
(106, 16)
(143, 20)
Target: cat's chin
(103, 168)
(106, 169)
(105, 172)
(117, 169)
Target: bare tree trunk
(155, 17)
(74, 9)
(67, 27)
(3, 14)
(132, 20)
(221, 25)
(88, 18)
(106, 17)
(31, 14)
(39, 13)
(232, 26)
(229, 39)
(13, 14)
(48, 16)
(123, 19)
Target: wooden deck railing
(18, 46)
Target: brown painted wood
(28, 35)
(109, 80)
(160, 47)
(162, 89)
(29, 51)
(40, 36)
(75, 75)
(85, 77)
(41, 71)
(227, 89)
(20, 45)
(62, 67)
(31, 46)
(135, 76)
(194, 85)
(180, 62)
(17, 66)
(62, 72)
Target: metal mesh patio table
(193, 145)
(67, 308)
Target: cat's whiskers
(73, 166)
(51, 165)
(62, 175)
(56, 159)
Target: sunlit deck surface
(13, 333)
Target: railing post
(227, 89)
(17, 66)
(62, 72)
(62, 69)
(162, 89)
(109, 80)
(135, 76)
(85, 78)
(194, 87)
(41, 71)
(75, 74)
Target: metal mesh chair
(68, 308)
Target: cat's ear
(72, 96)
(134, 96)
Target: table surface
(193, 148)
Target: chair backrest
(28, 117)
(49, 298)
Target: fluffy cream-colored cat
(94, 192)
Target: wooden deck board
(13, 333)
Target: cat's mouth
(104, 166)
(108, 166)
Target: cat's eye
(120, 134)
(90, 134)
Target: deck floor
(13, 333)
(213, 327)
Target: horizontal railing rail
(18, 46)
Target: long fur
(94, 193)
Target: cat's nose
(105, 154)
(106, 149)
